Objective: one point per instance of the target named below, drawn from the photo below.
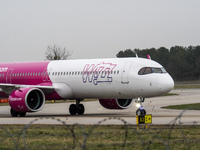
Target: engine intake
(116, 103)
(27, 100)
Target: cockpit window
(141, 71)
(156, 70)
(163, 70)
(148, 70)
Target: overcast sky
(94, 28)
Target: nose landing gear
(140, 110)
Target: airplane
(116, 82)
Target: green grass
(4, 104)
(188, 82)
(187, 86)
(195, 106)
(98, 137)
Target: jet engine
(27, 100)
(116, 103)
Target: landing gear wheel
(143, 112)
(72, 109)
(140, 112)
(22, 114)
(14, 113)
(77, 108)
(81, 109)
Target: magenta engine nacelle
(27, 100)
(116, 103)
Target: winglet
(148, 56)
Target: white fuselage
(108, 78)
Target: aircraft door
(9, 76)
(45, 75)
(124, 77)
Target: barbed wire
(20, 140)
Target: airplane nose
(166, 84)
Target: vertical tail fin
(148, 56)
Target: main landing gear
(16, 114)
(140, 110)
(77, 108)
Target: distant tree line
(182, 63)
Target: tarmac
(58, 113)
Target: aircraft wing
(17, 86)
(8, 88)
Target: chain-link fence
(175, 135)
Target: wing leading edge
(8, 88)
